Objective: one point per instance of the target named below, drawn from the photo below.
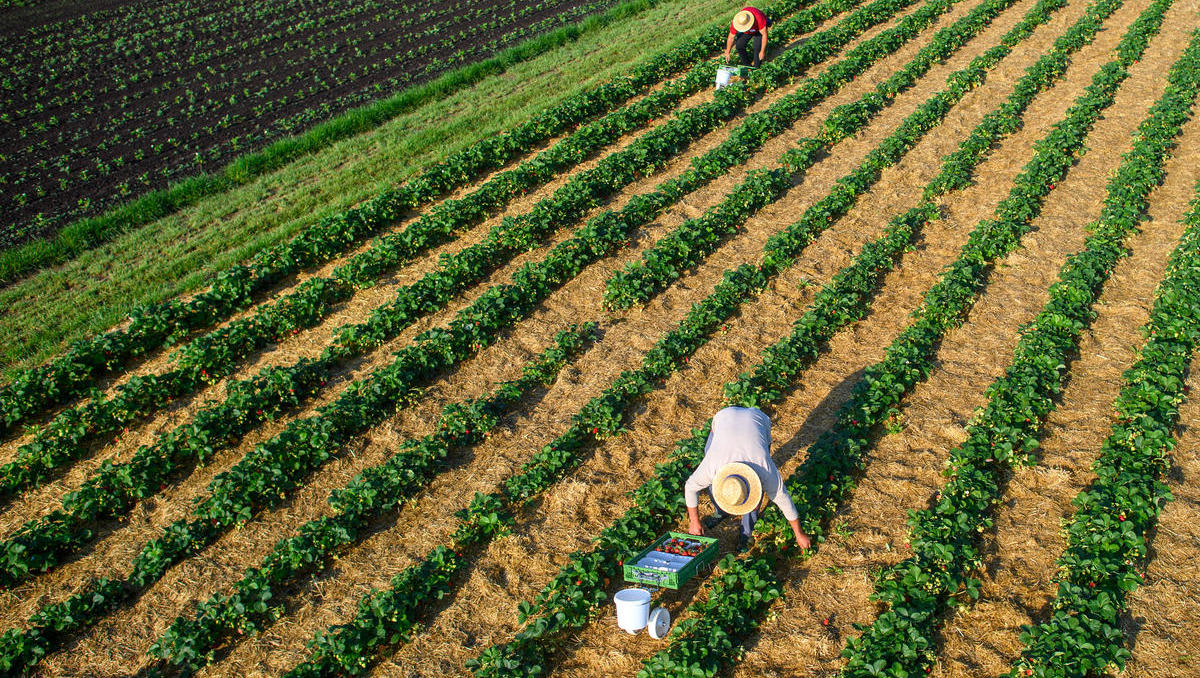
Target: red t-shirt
(760, 22)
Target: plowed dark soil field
(103, 106)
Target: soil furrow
(1018, 585)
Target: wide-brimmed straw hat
(737, 489)
(743, 21)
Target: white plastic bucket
(723, 75)
(633, 609)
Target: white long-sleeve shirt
(740, 434)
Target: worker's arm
(762, 51)
(699, 480)
(728, 46)
(784, 501)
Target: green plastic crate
(671, 580)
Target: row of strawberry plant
(217, 354)
(945, 538)
(695, 239)
(40, 544)
(269, 473)
(372, 493)
(1108, 535)
(258, 597)
(564, 605)
(828, 474)
(37, 389)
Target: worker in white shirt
(738, 472)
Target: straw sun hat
(743, 21)
(737, 489)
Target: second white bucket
(723, 74)
(633, 609)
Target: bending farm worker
(748, 33)
(739, 474)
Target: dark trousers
(747, 47)
(748, 519)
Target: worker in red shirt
(748, 33)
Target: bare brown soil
(868, 533)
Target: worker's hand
(803, 541)
(695, 528)
(726, 57)
(762, 54)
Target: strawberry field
(951, 247)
